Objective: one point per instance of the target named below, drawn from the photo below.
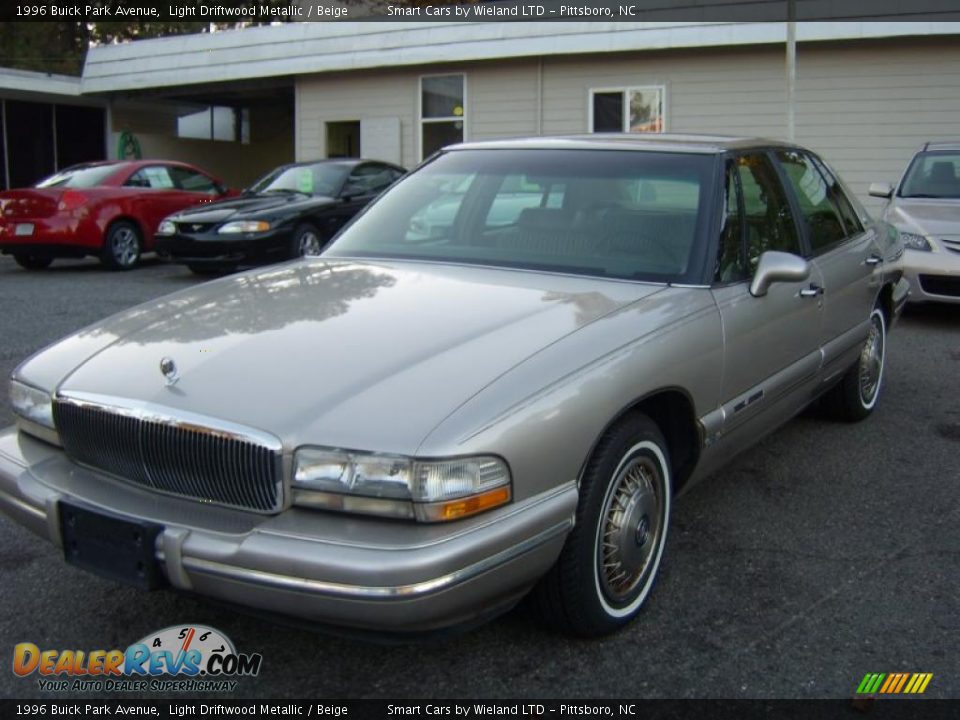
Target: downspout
(791, 69)
(540, 96)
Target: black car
(291, 212)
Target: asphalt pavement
(826, 552)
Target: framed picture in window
(631, 109)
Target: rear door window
(821, 212)
(155, 177)
(192, 181)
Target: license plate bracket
(118, 548)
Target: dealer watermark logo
(180, 658)
(894, 683)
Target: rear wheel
(121, 246)
(856, 395)
(610, 561)
(32, 262)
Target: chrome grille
(951, 243)
(173, 454)
(195, 228)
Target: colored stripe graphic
(894, 683)
(891, 681)
(870, 683)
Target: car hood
(251, 206)
(368, 356)
(927, 215)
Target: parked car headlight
(34, 410)
(245, 226)
(167, 227)
(912, 241)
(397, 486)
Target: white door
(380, 139)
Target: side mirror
(351, 192)
(882, 190)
(776, 267)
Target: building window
(442, 112)
(633, 110)
(216, 123)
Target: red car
(107, 209)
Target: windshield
(316, 179)
(621, 214)
(79, 177)
(932, 175)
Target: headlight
(912, 241)
(396, 486)
(167, 227)
(245, 226)
(34, 408)
(31, 403)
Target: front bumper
(933, 276)
(220, 249)
(357, 572)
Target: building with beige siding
(865, 94)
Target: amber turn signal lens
(464, 507)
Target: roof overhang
(307, 48)
(27, 84)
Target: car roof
(669, 142)
(345, 162)
(125, 163)
(940, 145)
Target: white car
(925, 208)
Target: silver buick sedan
(495, 381)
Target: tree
(61, 47)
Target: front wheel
(121, 246)
(305, 242)
(208, 270)
(856, 395)
(608, 566)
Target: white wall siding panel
(355, 96)
(868, 106)
(502, 100)
(865, 105)
(708, 91)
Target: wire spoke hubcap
(633, 518)
(871, 362)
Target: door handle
(873, 259)
(812, 291)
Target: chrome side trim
(35, 429)
(8, 499)
(383, 592)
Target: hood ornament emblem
(169, 369)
